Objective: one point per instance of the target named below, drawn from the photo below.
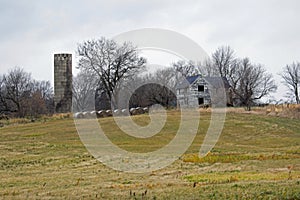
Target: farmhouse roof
(217, 82)
(213, 81)
(187, 81)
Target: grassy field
(257, 157)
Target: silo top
(63, 56)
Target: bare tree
(251, 82)
(165, 77)
(207, 69)
(185, 68)
(291, 78)
(45, 91)
(33, 105)
(223, 60)
(44, 87)
(3, 104)
(84, 88)
(18, 86)
(111, 62)
(157, 88)
(164, 91)
(222, 63)
(22, 96)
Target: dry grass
(282, 110)
(257, 157)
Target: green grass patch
(212, 158)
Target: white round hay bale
(140, 110)
(78, 115)
(124, 112)
(116, 112)
(134, 111)
(93, 114)
(87, 115)
(109, 113)
(101, 113)
(146, 110)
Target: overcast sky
(268, 32)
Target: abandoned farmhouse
(198, 90)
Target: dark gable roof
(216, 82)
(192, 79)
(187, 81)
(213, 81)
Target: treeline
(118, 69)
(111, 73)
(251, 81)
(22, 96)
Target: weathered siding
(63, 83)
(188, 97)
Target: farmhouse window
(200, 88)
(200, 101)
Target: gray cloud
(31, 31)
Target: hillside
(256, 157)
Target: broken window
(200, 88)
(200, 101)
